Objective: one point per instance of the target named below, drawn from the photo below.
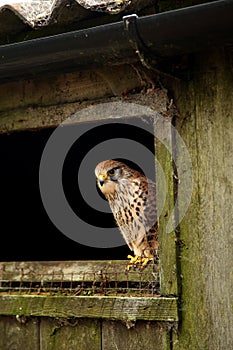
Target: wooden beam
(167, 241)
(122, 308)
(86, 270)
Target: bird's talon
(136, 261)
(132, 263)
(144, 262)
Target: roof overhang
(159, 36)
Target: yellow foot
(136, 261)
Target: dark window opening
(26, 230)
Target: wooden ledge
(123, 308)
(83, 289)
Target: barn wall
(83, 334)
(45, 102)
(204, 99)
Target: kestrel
(132, 199)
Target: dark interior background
(26, 230)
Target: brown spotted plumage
(132, 198)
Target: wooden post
(167, 241)
(206, 125)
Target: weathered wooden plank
(206, 125)
(72, 334)
(51, 113)
(165, 182)
(19, 333)
(114, 270)
(123, 308)
(68, 87)
(141, 335)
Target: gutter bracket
(131, 27)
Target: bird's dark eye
(112, 172)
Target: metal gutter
(162, 35)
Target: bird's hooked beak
(102, 178)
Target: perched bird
(132, 199)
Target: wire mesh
(93, 279)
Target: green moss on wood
(123, 308)
(167, 241)
(206, 126)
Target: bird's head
(110, 174)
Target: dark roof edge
(162, 35)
